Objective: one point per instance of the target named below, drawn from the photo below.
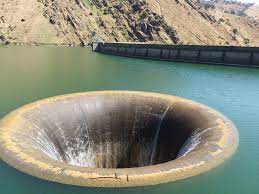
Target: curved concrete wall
(228, 55)
(116, 138)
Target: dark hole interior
(112, 131)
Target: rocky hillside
(198, 23)
(78, 22)
(253, 12)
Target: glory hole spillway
(116, 138)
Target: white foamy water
(192, 142)
(156, 136)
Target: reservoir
(28, 74)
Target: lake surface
(28, 74)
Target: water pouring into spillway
(115, 138)
(156, 136)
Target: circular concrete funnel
(116, 138)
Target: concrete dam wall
(227, 55)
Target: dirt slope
(78, 22)
(197, 25)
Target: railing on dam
(229, 55)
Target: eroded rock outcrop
(79, 22)
(133, 17)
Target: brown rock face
(79, 22)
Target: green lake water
(28, 74)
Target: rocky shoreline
(4, 40)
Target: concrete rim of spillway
(221, 142)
